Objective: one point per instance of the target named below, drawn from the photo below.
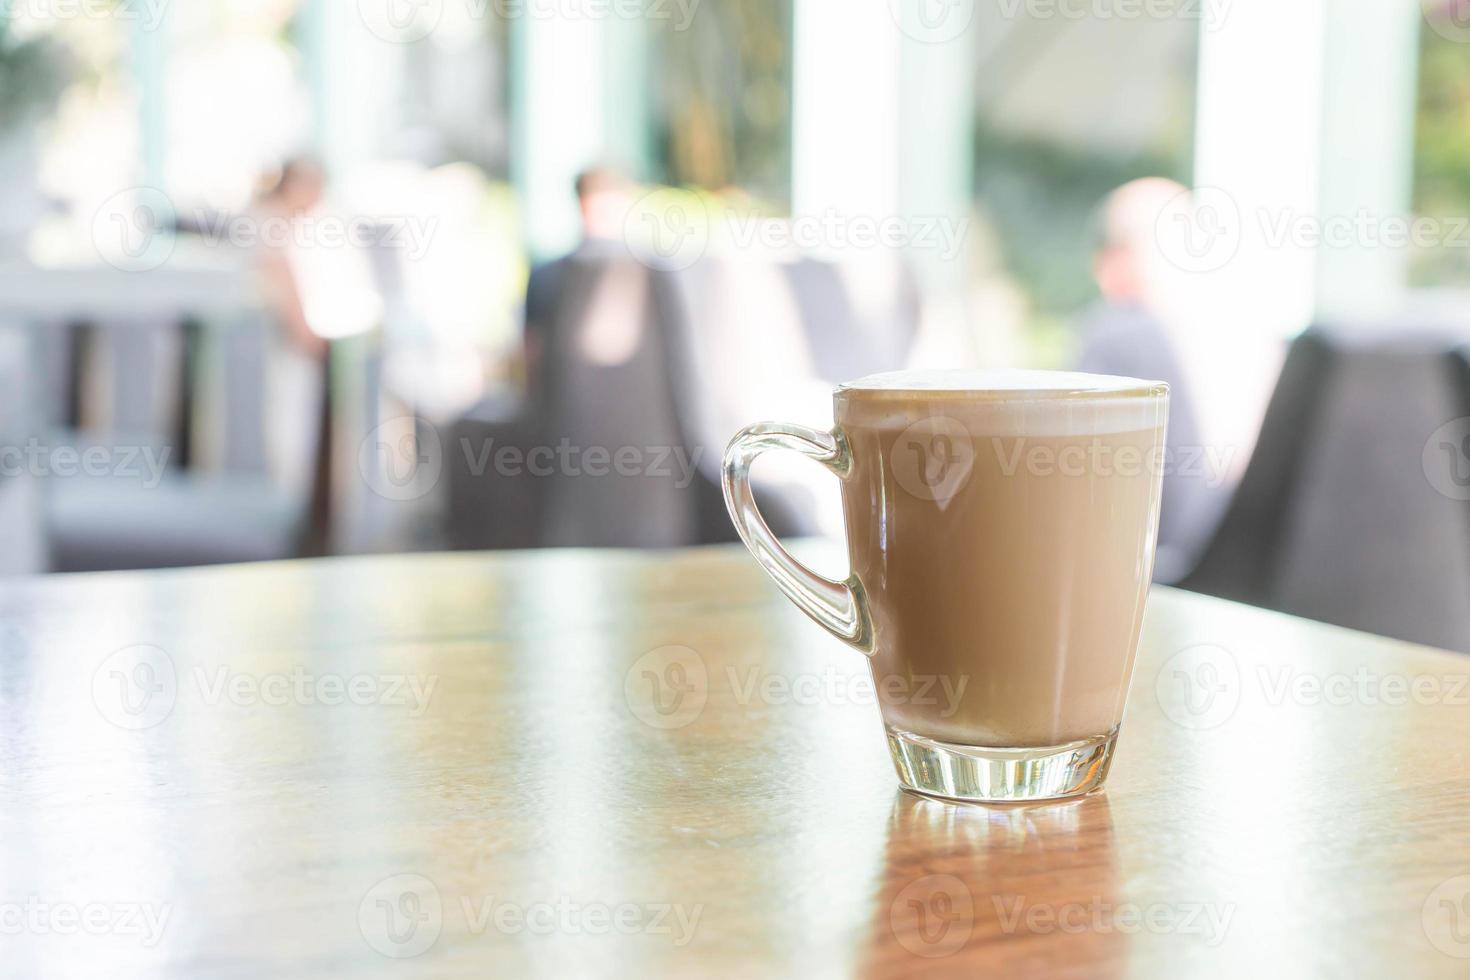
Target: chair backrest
(22, 546)
(608, 390)
(373, 473)
(674, 361)
(1336, 517)
(742, 355)
(1457, 363)
(1241, 559)
(859, 317)
(119, 379)
(486, 510)
(759, 339)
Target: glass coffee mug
(1000, 529)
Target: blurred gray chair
(1337, 517)
(135, 517)
(488, 511)
(756, 338)
(608, 374)
(733, 331)
(121, 380)
(665, 360)
(604, 384)
(1241, 559)
(22, 546)
(1458, 362)
(858, 318)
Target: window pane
(1067, 110)
(725, 97)
(1441, 149)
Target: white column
(882, 128)
(1306, 120)
(1247, 281)
(318, 24)
(883, 117)
(628, 96)
(1257, 153)
(1369, 97)
(557, 122)
(355, 71)
(845, 108)
(150, 70)
(936, 166)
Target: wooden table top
(455, 765)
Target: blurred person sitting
(296, 190)
(296, 381)
(604, 197)
(1128, 333)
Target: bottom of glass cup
(983, 774)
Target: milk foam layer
(1001, 382)
(1005, 403)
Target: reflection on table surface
(467, 762)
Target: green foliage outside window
(1442, 155)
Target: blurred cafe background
(287, 278)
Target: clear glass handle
(839, 606)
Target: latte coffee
(1001, 529)
(1003, 534)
